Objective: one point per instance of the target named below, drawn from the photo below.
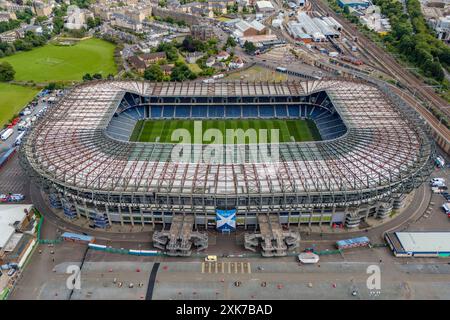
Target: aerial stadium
(347, 151)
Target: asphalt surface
(151, 282)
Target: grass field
(62, 63)
(289, 130)
(13, 99)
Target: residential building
(236, 63)
(42, 9)
(122, 21)
(222, 55)
(6, 16)
(202, 32)
(76, 18)
(373, 19)
(167, 69)
(443, 28)
(137, 64)
(9, 36)
(192, 57)
(153, 57)
(210, 62)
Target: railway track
(388, 62)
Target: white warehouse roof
(264, 4)
(9, 214)
(424, 242)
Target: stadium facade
(373, 153)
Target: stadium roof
(381, 149)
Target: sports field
(13, 99)
(289, 130)
(63, 63)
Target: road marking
(233, 267)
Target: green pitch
(13, 99)
(288, 130)
(63, 63)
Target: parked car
(16, 197)
(12, 197)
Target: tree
(58, 24)
(230, 42)
(433, 69)
(182, 72)
(249, 47)
(22, 45)
(170, 50)
(97, 76)
(93, 22)
(347, 10)
(154, 73)
(7, 72)
(87, 77)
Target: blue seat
(249, 111)
(168, 111)
(130, 99)
(216, 111)
(132, 113)
(266, 111)
(156, 111)
(281, 111)
(233, 111)
(182, 112)
(294, 111)
(199, 111)
(140, 111)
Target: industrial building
(247, 29)
(264, 6)
(369, 158)
(317, 29)
(354, 3)
(419, 244)
(17, 225)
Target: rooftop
(9, 214)
(424, 242)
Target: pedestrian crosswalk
(226, 267)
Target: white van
(436, 190)
(446, 207)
